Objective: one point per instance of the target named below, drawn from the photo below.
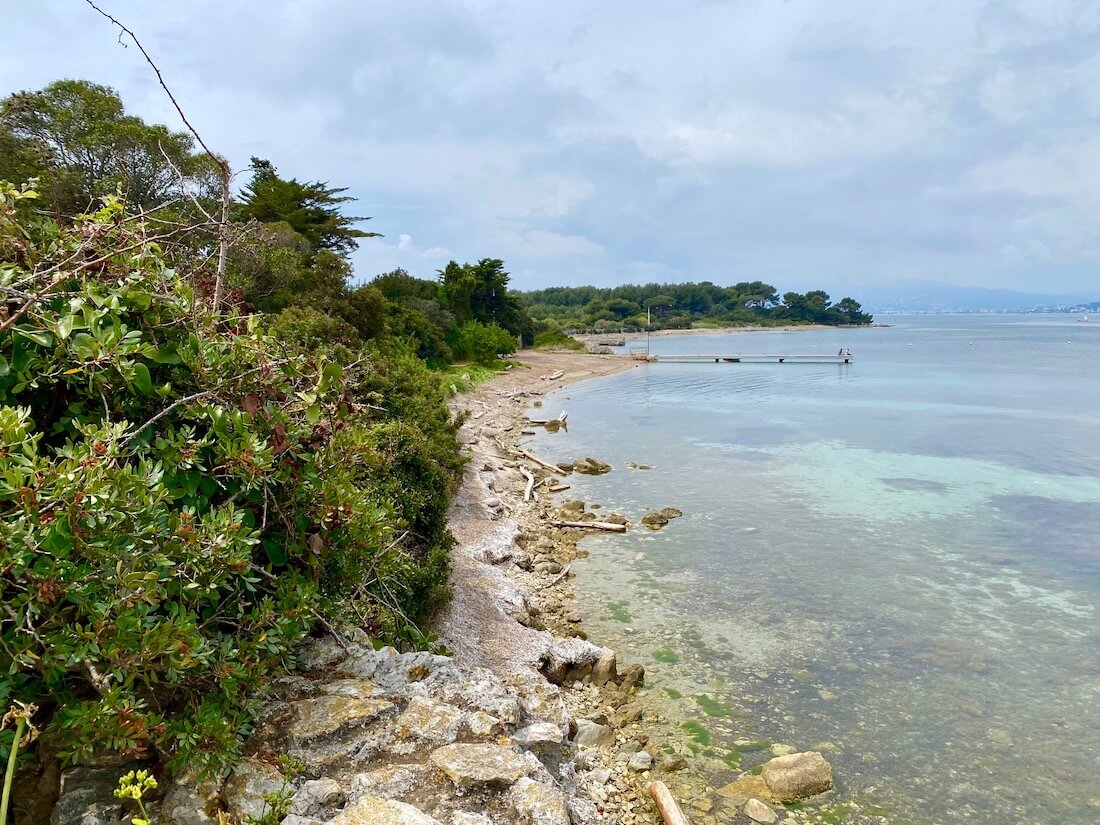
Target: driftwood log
(592, 525)
(538, 460)
(527, 474)
(666, 803)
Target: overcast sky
(804, 142)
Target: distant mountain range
(929, 296)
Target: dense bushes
(480, 343)
(183, 494)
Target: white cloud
(405, 242)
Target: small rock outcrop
(797, 776)
(479, 764)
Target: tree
(310, 209)
(85, 146)
(851, 312)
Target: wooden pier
(749, 358)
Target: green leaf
(313, 414)
(65, 326)
(276, 551)
(167, 355)
(142, 379)
(4, 368)
(39, 336)
(331, 374)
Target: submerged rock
(591, 466)
(757, 811)
(654, 520)
(670, 512)
(797, 776)
(479, 764)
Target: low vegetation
(684, 306)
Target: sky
(807, 143)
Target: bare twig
(222, 163)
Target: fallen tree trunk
(666, 803)
(592, 525)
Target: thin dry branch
(222, 163)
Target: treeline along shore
(227, 465)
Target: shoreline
(513, 597)
(592, 338)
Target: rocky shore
(527, 723)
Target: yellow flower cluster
(133, 786)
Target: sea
(894, 561)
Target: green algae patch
(619, 612)
(697, 732)
(712, 707)
(673, 693)
(666, 655)
(732, 759)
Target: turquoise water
(897, 561)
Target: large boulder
(797, 776)
(479, 764)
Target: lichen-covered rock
(478, 764)
(537, 803)
(390, 781)
(316, 796)
(429, 720)
(353, 688)
(328, 714)
(654, 520)
(373, 810)
(294, 819)
(188, 802)
(670, 512)
(797, 776)
(87, 796)
(247, 786)
(480, 723)
(469, 818)
(539, 737)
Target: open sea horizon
(895, 561)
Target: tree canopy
(311, 209)
(76, 137)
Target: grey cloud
(800, 142)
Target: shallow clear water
(896, 560)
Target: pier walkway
(749, 358)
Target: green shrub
(556, 339)
(182, 495)
(481, 343)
